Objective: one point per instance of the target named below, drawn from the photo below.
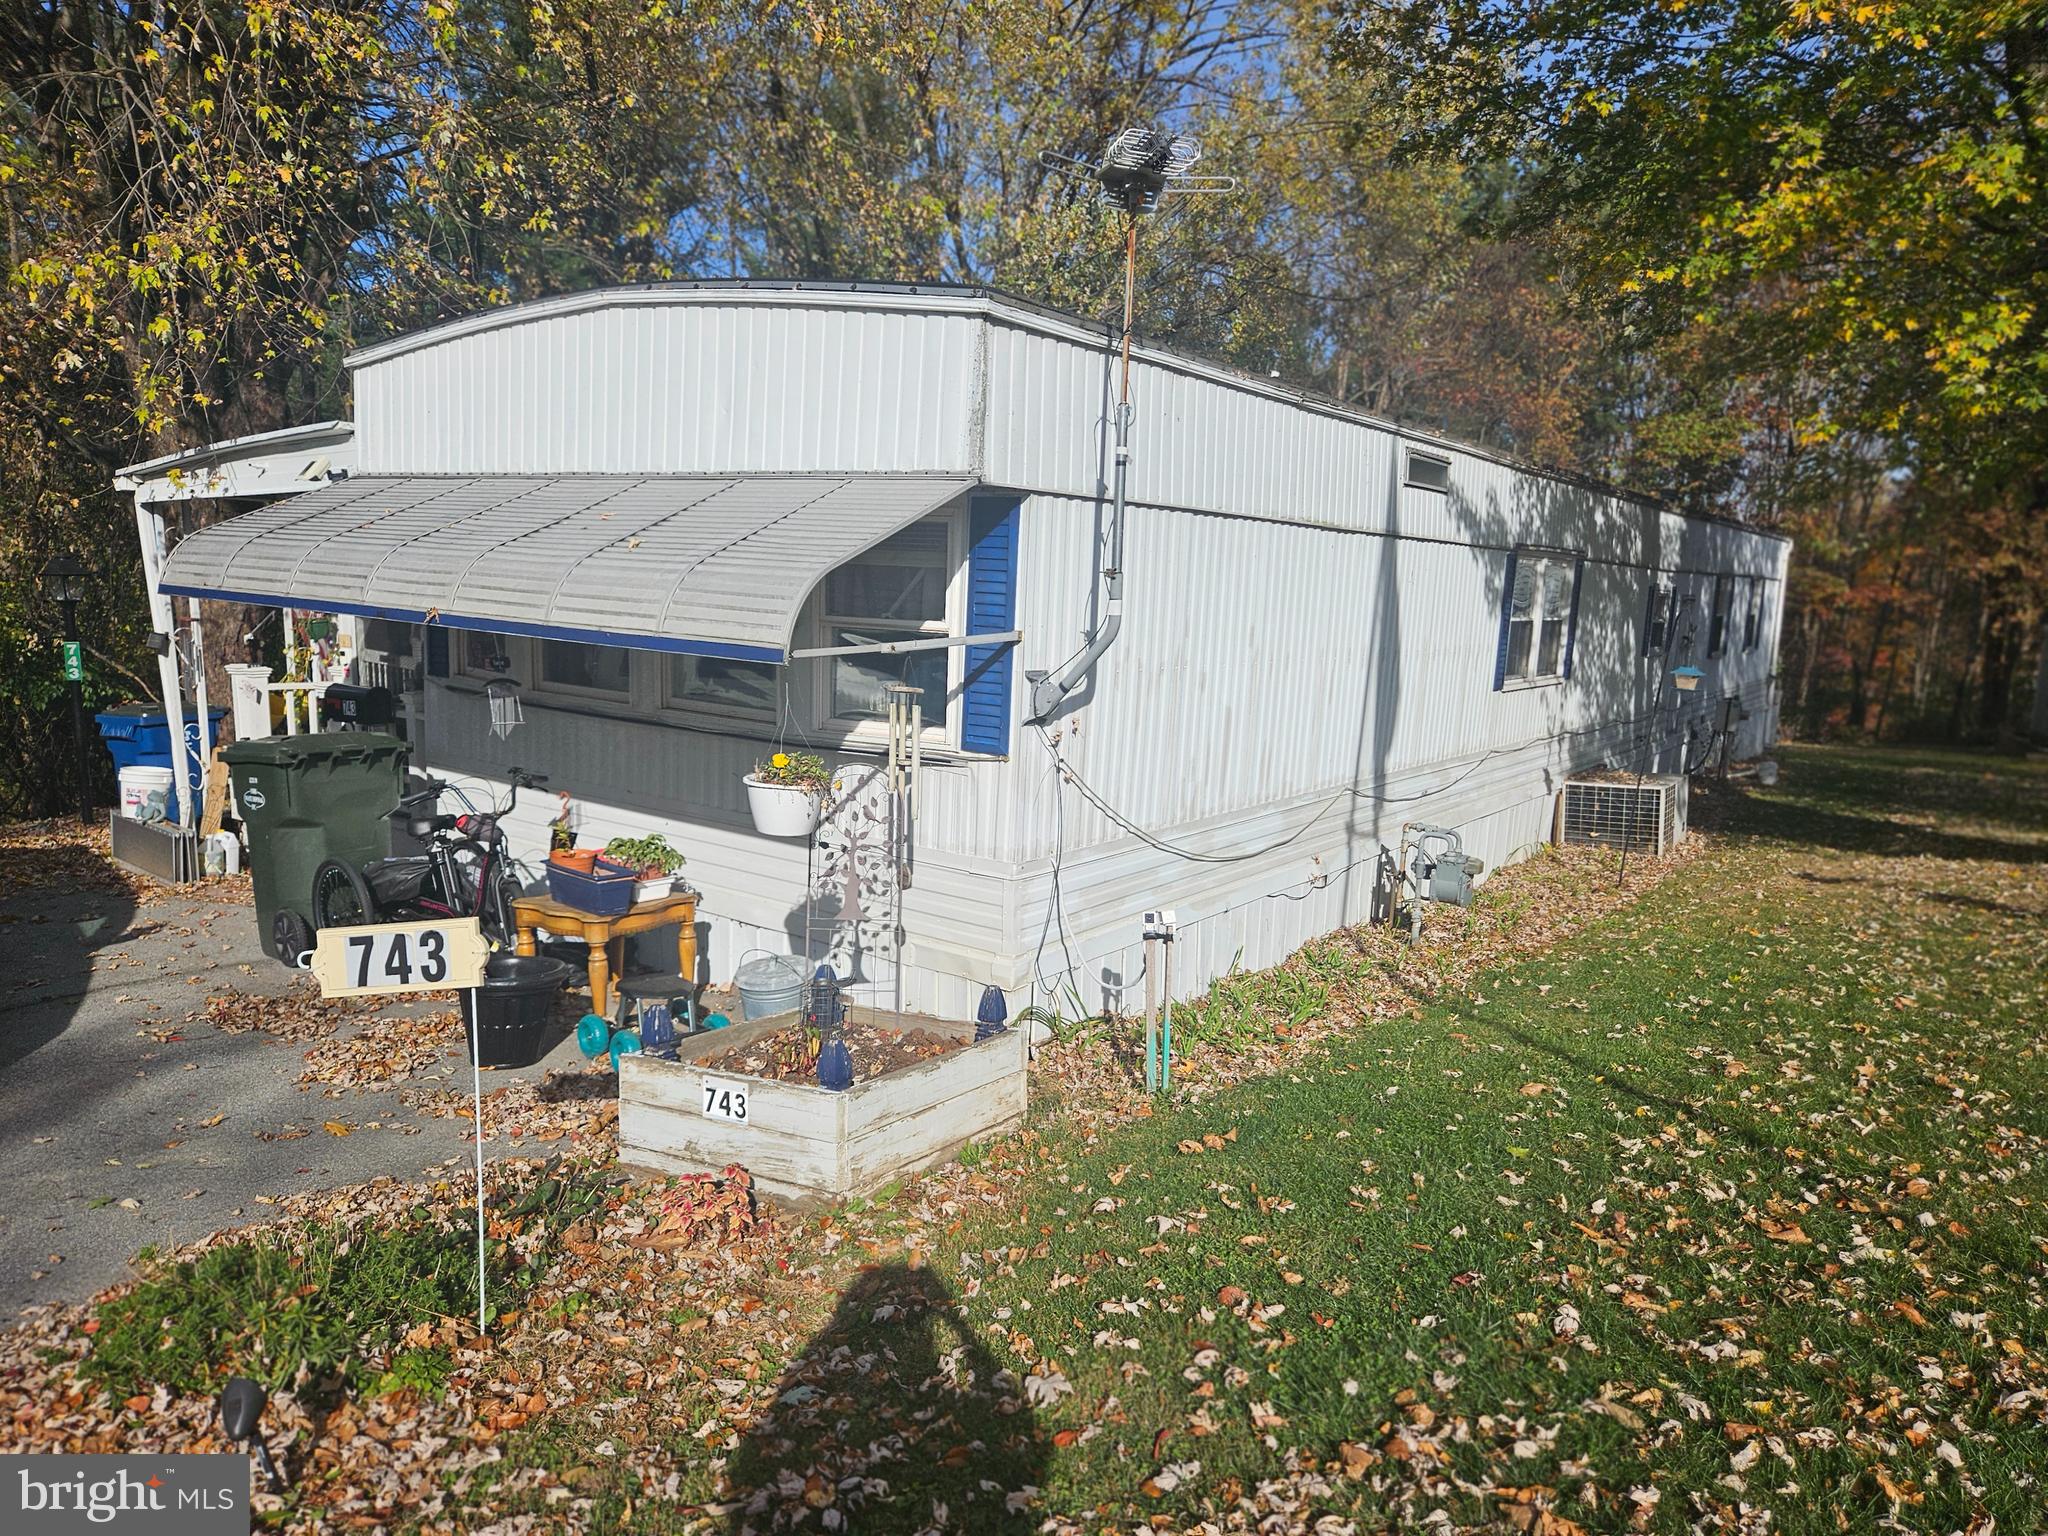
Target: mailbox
(352, 704)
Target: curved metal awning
(711, 565)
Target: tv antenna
(1139, 169)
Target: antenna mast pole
(1113, 577)
(1130, 301)
(1139, 167)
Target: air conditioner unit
(1619, 810)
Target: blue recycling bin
(140, 735)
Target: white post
(205, 714)
(476, 1074)
(149, 529)
(289, 618)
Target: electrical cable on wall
(1067, 772)
(1062, 771)
(1055, 908)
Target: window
(715, 685)
(1724, 597)
(1660, 619)
(1753, 614)
(1536, 620)
(899, 590)
(1428, 472)
(566, 667)
(483, 656)
(950, 575)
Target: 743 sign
(399, 957)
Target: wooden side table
(530, 913)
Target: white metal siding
(1298, 624)
(680, 389)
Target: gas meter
(1438, 869)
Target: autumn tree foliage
(1771, 261)
(1830, 219)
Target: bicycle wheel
(341, 897)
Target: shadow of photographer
(895, 1418)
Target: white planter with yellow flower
(787, 794)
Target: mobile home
(702, 522)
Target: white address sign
(399, 957)
(725, 1100)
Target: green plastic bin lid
(288, 751)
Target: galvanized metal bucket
(770, 984)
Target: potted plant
(562, 849)
(654, 857)
(787, 793)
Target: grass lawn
(1726, 1214)
(1721, 1212)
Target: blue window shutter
(991, 609)
(437, 651)
(1507, 607)
(1571, 628)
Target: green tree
(1853, 190)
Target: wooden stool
(642, 988)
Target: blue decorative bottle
(993, 1017)
(658, 1031)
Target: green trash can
(306, 799)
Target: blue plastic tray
(599, 895)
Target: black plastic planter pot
(513, 1007)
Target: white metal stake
(1166, 1016)
(476, 1073)
(1151, 1013)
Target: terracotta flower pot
(582, 860)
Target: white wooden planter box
(803, 1142)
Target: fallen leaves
(791, 1054)
(699, 1211)
(389, 1048)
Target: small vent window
(1427, 472)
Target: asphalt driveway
(125, 1121)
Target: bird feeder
(825, 1015)
(506, 714)
(1686, 678)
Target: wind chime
(866, 849)
(906, 758)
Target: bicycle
(463, 873)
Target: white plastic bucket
(771, 984)
(138, 783)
